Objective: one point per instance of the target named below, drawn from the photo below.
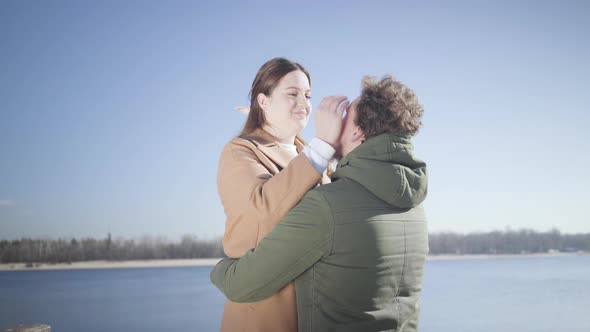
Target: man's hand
(328, 118)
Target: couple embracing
(315, 249)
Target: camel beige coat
(258, 183)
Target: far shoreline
(148, 263)
(199, 262)
(504, 256)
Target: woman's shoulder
(240, 142)
(252, 140)
(238, 148)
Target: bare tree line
(88, 249)
(508, 242)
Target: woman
(265, 172)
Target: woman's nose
(302, 102)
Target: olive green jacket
(356, 247)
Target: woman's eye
(293, 94)
(308, 97)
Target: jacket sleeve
(252, 197)
(302, 238)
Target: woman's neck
(285, 139)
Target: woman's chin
(301, 125)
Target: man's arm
(295, 244)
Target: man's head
(384, 106)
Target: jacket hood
(386, 166)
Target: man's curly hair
(388, 106)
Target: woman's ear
(262, 100)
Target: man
(356, 247)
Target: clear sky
(113, 113)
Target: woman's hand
(328, 118)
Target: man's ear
(262, 100)
(358, 135)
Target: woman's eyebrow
(296, 88)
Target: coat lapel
(268, 145)
(276, 154)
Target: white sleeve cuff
(319, 154)
(323, 148)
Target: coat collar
(269, 146)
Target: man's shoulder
(322, 197)
(339, 187)
(346, 195)
(339, 191)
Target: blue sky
(113, 113)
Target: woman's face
(288, 108)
